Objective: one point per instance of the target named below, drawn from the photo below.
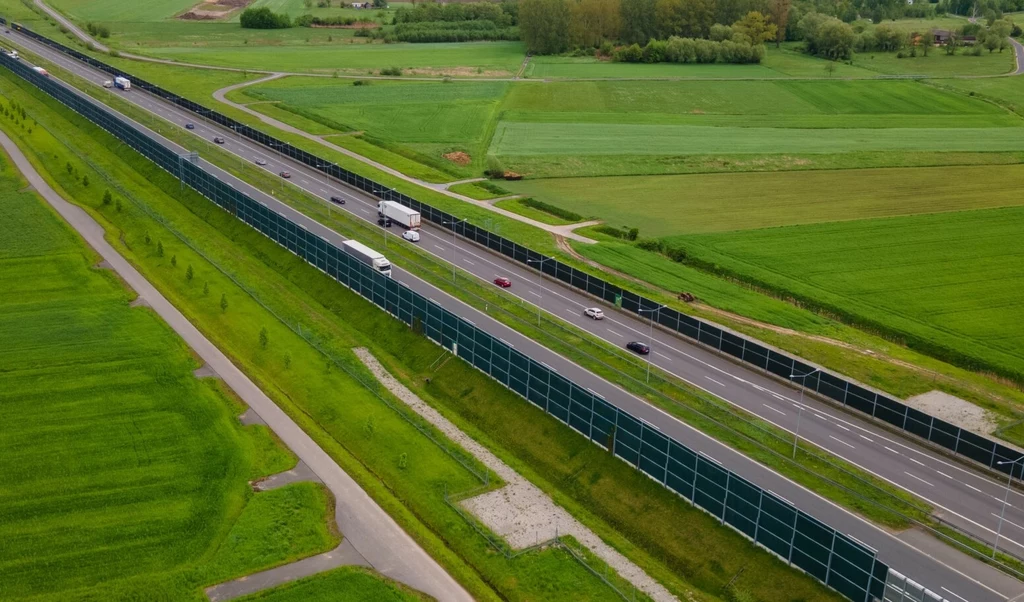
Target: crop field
(491, 58)
(125, 475)
(778, 63)
(425, 119)
(512, 139)
(124, 11)
(700, 203)
(953, 279)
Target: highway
(962, 494)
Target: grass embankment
(122, 469)
(605, 493)
(332, 398)
(345, 584)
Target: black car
(638, 347)
(190, 126)
(338, 200)
(218, 140)
(384, 221)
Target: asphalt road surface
(375, 535)
(963, 497)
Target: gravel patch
(954, 410)
(520, 512)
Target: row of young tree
(691, 50)
(554, 26)
(505, 14)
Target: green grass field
(952, 279)
(688, 204)
(468, 59)
(345, 584)
(126, 476)
(125, 11)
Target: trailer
(41, 71)
(399, 213)
(368, 256)
(122, 83)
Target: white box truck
(14, 54)
(41, 71)
(399, 213)
(368, 256)
(122, 83)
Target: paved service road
(362, 522)
(860, 442)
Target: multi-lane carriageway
(961, 496)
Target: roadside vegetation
(345, 584)
(708, 557)
(122, 467)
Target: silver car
(594, 312)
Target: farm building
(942, 37)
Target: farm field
(126, 477)
(561, 129)
(952, 280)
(467, 59)
(701, 203)
(778, 63)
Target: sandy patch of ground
(954, 410)
(212, 9)
(520, 512)
(458, 158)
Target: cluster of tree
(691, 50)
(875, 10)
(447, 31)
(991, 10)
(553, 26)
(263, 18)
(504, 14)
(97, 31)
(831, 38)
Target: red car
(285, 175)
(503, 282)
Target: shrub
(263, 18)
(360, 82)
(495, 168)
(556, 211)
(396, 71)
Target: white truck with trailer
(399, 214)
(122, 83)
(368, 256)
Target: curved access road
(374, 534)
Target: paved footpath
(373, 534)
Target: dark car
(338, 200)
(218, 140)
(384, 221)
(638, 347)
(285, 175)
(503, 282)
(190, 126)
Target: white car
(108, 84)
(411, 235)
(594, 312)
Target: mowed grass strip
(952, 280)
(689, 204)
(512, 139)
(123, 472)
